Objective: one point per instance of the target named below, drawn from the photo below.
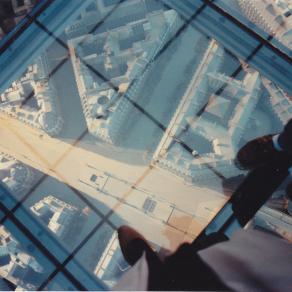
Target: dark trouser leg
(285, 138)
(184, 270)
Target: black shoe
(133, 244)
(258, 152)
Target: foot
(257, 152)
(132, 244)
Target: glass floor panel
(127, 113)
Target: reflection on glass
(131, 115)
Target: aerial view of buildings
(61, 218)
(213, 137)
(274, 16)
(15, 175)
(279, 101)
(111, 264)
(33, 99)
(120, 53)
(161, 112)
(17, 267)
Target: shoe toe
(132, 244)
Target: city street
(67, 163)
